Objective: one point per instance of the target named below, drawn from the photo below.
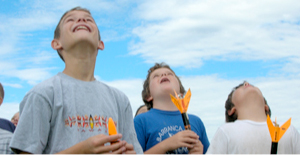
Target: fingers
(191, 134)
(98, 144)
(197, 149)
(116, 148)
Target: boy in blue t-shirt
(161, 129)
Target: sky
(211, 45)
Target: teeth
(81, 27)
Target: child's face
(163, 81)
(246, 92)
(15, 119)
(78, 27)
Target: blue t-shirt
(157, 125)
(7, 125)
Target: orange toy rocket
(276, 132)
(112, 130)
(182, 104)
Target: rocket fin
(284, 127)
(271, 128)
(186, 99)
(177, 103)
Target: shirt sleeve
(129, 132)
(218, 144)
(32, 132)
(139, 128)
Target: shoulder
(46, 86)
(5, 134)
(195, 118)
(7, 125)
(112, 91)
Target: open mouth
(164, 80)
(81, 27)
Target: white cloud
(14, 85)
(185, 33)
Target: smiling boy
(161, 129)
(68, 113)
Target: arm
(126, 127)
(96, 145)
(186, 138)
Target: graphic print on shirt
(88, 123)
(167, 132)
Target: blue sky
(212, 45)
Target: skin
(15, 119)
(79, 49)
(249, 103)
(160, 94)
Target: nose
(246, 83)
(163, 74)
(81, 19)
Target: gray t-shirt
(62, 111)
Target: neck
(253, 112)
(80, 65)
(164, 103)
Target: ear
(267, 108)
(149, 98)
(1, 100)
(55, 44)
(231, 111)
(100, 45)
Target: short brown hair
(1, 91)
(229, 105)
(57, 29)
(146, 89)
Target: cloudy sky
(212, 45)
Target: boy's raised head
(239, 94)
(58, 30)
(160, 73)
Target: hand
(197, 149)
(129, 149)
(186, 138)
(96, 144)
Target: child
(141, 109)
(4, 123)
(15, 118)
(247, 130)
(161, 129)
(69, 112)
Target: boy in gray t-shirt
(69, 112)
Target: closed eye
(69, 20)
(90, 20)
